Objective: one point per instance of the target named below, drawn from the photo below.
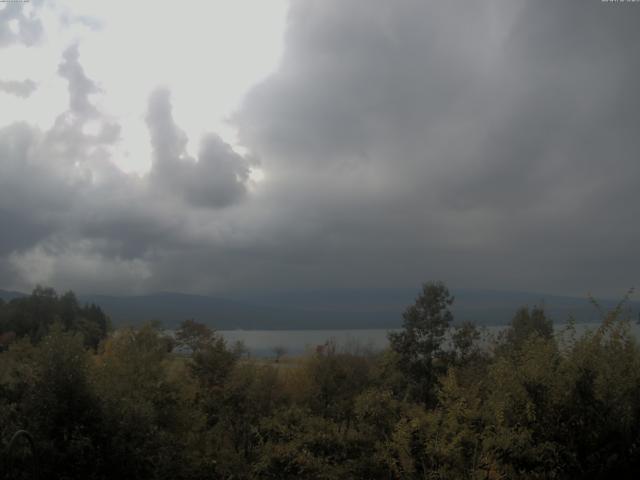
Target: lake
(261, 343)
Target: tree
(418, 346)
(250, 394)
(465, 341)
(194, 335)
(148, 402)
(526, 323)
(34, 315)
(211, 360)
(279, 351)
(62, 410)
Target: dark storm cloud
(494, 142)
(32, 192)
(216, 179)
(490, 144)
(22, 88)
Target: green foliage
(46, 390)
(194, 335)
(526, 323)
(465, 340)
(17, 378)
(331, 383)
(438, 404)
(33, 316)
(251, 394)
(62, 406)
(418, 347)
(146, 405)
(212, 363)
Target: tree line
(443, 401)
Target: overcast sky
(225, 146)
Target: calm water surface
(262, 343)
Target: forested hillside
(96, 403)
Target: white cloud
(208, 53)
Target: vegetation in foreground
(100, 404)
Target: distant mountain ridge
(329, 309)
(7, 295)
(483, 307)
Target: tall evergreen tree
(418, 346)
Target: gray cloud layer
(490, 144)
(27, 27)
(19, 88)
(217, 179)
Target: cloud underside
(19, 88)
(489, 144)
